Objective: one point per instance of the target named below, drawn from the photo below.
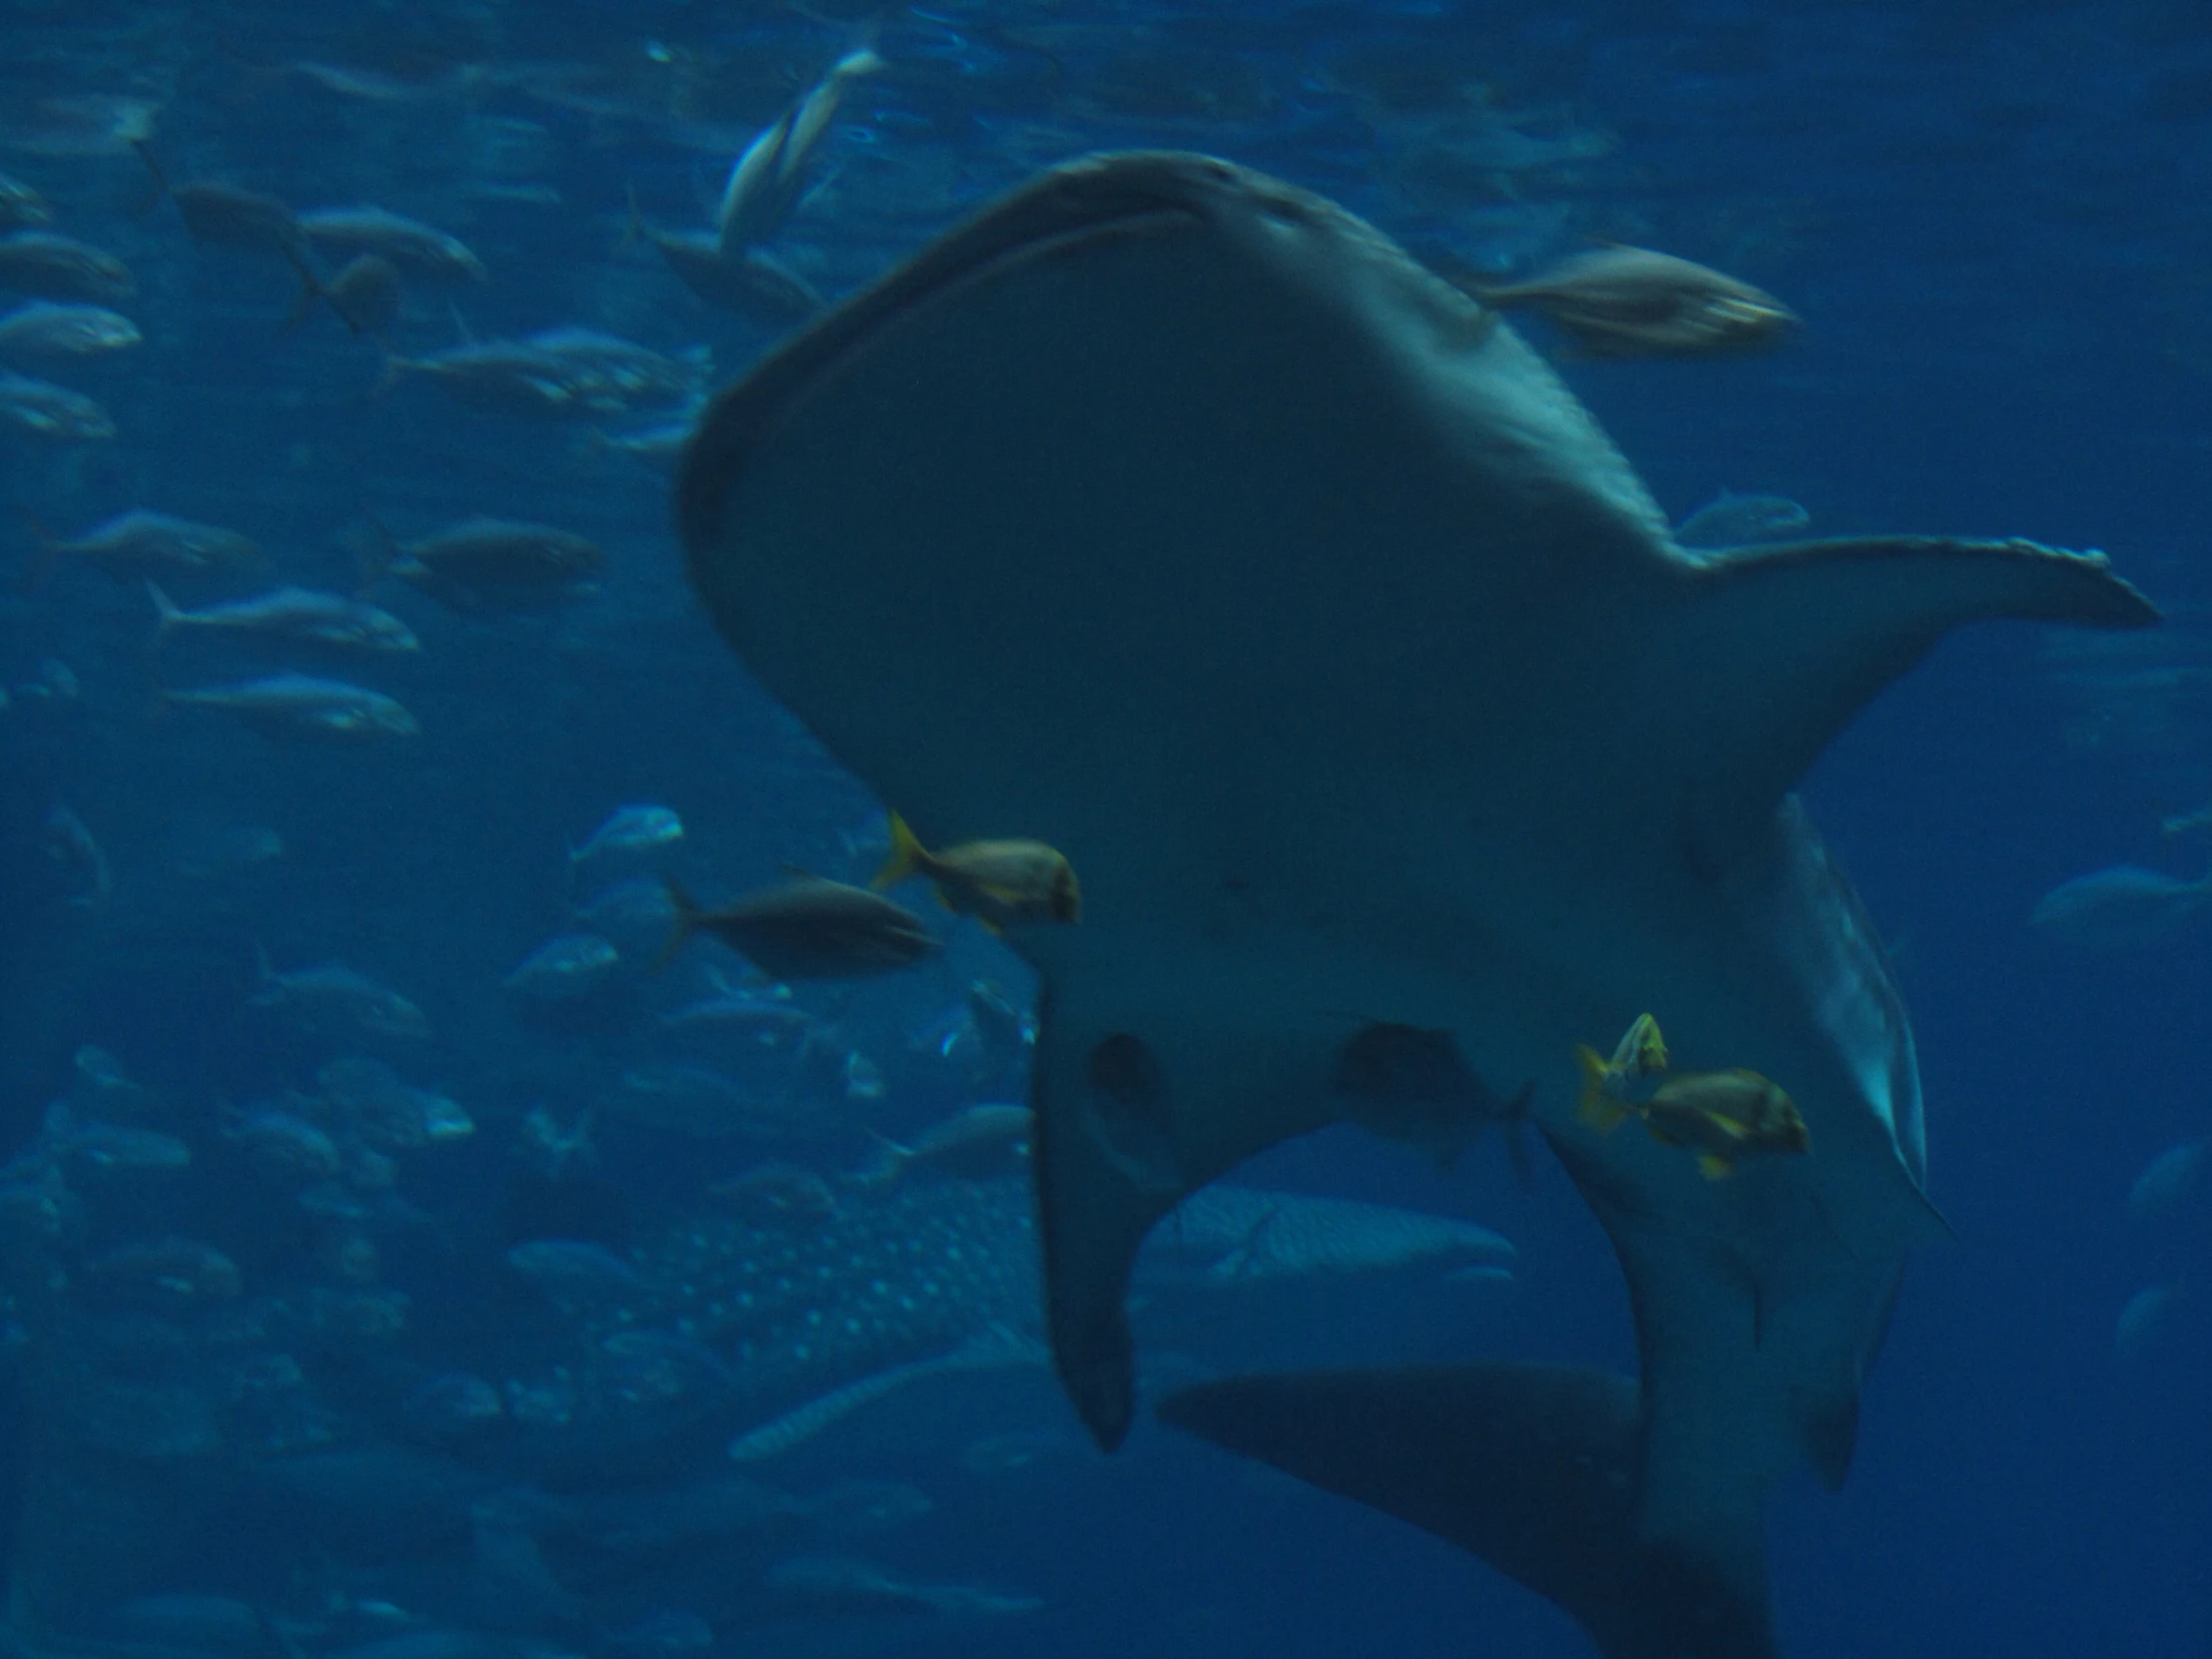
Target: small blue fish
(633, 830)
(564, 968)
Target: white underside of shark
(1170, 515)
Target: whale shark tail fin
(1534, 1468)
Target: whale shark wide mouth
(1075, 210)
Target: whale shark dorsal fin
(1531, 1468)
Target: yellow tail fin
(1714, 1167)
(1596, 1108)
(907, 856)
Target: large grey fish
(1517, 772)
(224, 214)
(807, 927)
(497, 564)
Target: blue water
(1990, 218)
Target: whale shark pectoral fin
(1531, 1468)
(1106, 1166)
(1775, 649)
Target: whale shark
(1172, 515)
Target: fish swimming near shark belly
(1214, 542)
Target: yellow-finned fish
(1720, 1115)
(1001, 883)
(1724, 1115)
(1609, 1086)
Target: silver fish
(1232, 1234)
(2125, 907)
(333, 997)
(139, 544)
(21, 206)
(1633, 303)
(55, 266)
(45, 410)
(386, 1112)
(643, 828)
(302, 705)
(565, 968)
(289, 613)
(418, 249)
(559, 374)
(284, 1144)
(45, 334)
(81, 123)
(765, 182)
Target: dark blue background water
(1994, 222)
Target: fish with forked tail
(1001, 883)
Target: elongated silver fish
(293, 614)
(304, 705)
(139, 544)
(45, 334)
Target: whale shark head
(1171, 515)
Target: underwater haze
(506, 1152)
